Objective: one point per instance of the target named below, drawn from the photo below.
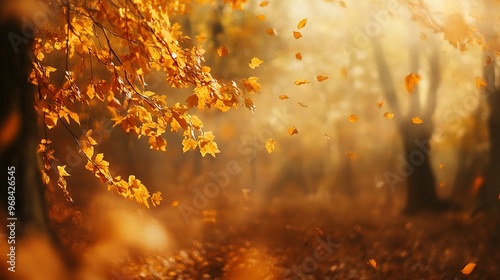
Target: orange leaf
(298, 56)
(292, 131)
(271, 31)
(297, 34)
(222, 51)
(388, 115)
(343, 72)
(321, 78)
(373, 263)
(411, 80)
(264, 3)
(380, 103)
(62, 170)
(261, 17)
(255, 63)
(480, 82)
(302, 23)
(468, 268)
(301, 82)
(283, 97)
(353, 118)
(251, 84)
(417, 120)
(270, 145)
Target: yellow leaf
(480, 82)
(301, 82)
(283, 97)
(321, 78)
(255, 63)
(292, 131)
(417, 120)
(302, 23)
(373, 263)
(45, 178)
(270, 145)
(156, 199)
(51, 119)
(264, 3)
(342, 4)
(411, 80)
(298, 56)
(353, 118)
(261, 17)
(343, 72)
(297, 34)
(90, 139)
(157, 143)
(423, 36)
(251, 84)
(62, 170)
(302, 104)
(222, 51)
(468, 268)
(388, 115)
(175, 203)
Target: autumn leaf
(261, 17)
(255, 63)
(352, 155)
(157, 143)
(270, 145)
(251, 84)
(302, 104)
(174, 203)
(388, 115)
(301, 82)
(468, 268)
(411, 81)
(321, 78)
(271, 31)
(417, 120)
(480, 82)
(222, 51)
(325, 135)
(264, 3)
(441, 166)
(89, 137)
(343, 72)
(302, 23)
(297, 34)
(298, 56)
(156, 198)
(380, 103)
(61, 169)
(283, 97)
(352, 118)
(373, 263)
(292, 131)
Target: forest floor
(341, 238)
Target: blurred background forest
(366, 111)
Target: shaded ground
(311, 239)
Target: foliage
(108, 48)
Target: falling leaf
(351, 155)
(302, 23)
(297, 34)
(440, 166)
(91, 140)
(417, 120)
(283, 97)
(373, 263)
(411, 80)
(298, 56)
(255, 63)
(62, 170)
(156, 198)
(271, 31)
(468, 268)
(380, 103)
(175, 203)
(442, 184)
(222, 51)
(270, 145)
(292, 131)
(353, 118)
(423, 36)
(480, 82)
(301, 82)
(302, 104)
(388, 115)
(264, 3)
(342, 4)
(251, 84)
(325, 135)
(261, 17)
(321, 78)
